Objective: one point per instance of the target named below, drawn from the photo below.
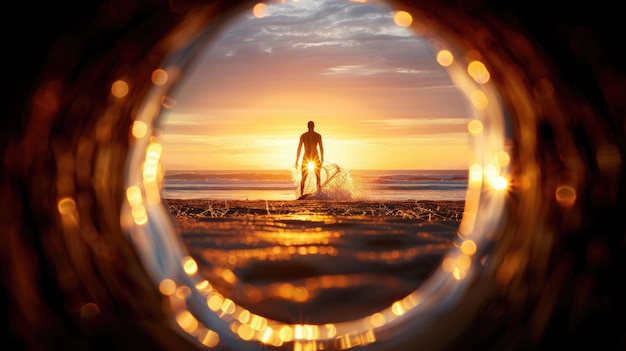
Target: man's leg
(318, 177)
(304, 172)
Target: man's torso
(310, 141)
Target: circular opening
(544, 263)
(207, 315)
(385, 211)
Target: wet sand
(314, 261)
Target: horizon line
(277, 169)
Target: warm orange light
(215, 302)
(286, 333)
(475, 127)
(468, 247)
(259, 10)
(478, 72)
(159, 76)
(167, 287)
(182, 292)
(66, 205)
(139, 129)
(311, 166)
(479, 100)
(209, 338)
(445, 58)
(403, 18)
(119, 88)
(187, 321)
(503, 158)
(190, 266)
(500, 183)
(566, 195)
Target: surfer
(311, 141)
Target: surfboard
(304, 196)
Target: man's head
(311, 124)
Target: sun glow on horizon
(378, 104)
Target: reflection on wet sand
(296, 263)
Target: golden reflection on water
(308, 258)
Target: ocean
(337, 184)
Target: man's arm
(299, 149)
(321, 150)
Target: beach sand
(316, 261)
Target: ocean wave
(416, 187)
(372, 176)
(229, 176)
(285, 185)
(249, 187)
(225, 187)
(419, 178)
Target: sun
(311, 166)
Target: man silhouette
(311, 141)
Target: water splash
(337, 183)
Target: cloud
(347, 65)
(306, 38)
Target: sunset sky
(373, 88)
